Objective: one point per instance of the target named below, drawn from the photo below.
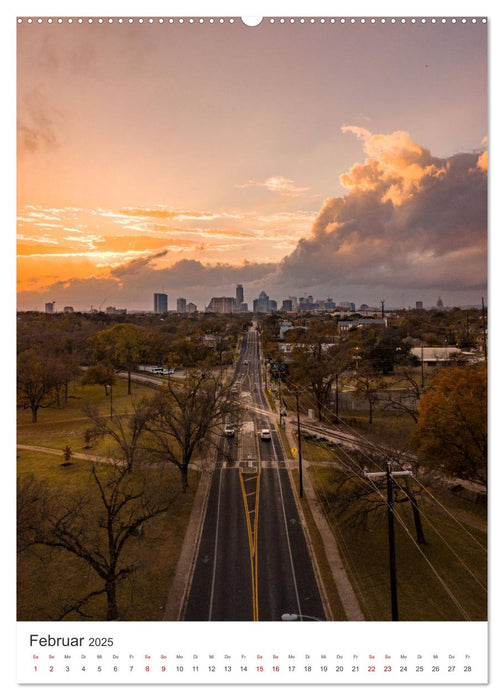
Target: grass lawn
(444, 579)
(49, 578)
(58, 426)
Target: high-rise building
(49, 307)
(287, 305)
(419, 305)
(160, 303)
(261, 304)
(191, 308)
(294, 303)
(222, 305)
(181, 305)
(239, 295)
(440, 304)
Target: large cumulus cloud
(408, 221)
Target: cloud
(409, 220)
(278, 184)
(165, 213)
(37, 125)
(133, 284)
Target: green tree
(124, 345)
(451, 433)
(37, 381)
(387, 351)
(101, 373)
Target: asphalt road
(253, 561)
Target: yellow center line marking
(249, 533)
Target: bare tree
(187, 416)
(125, 430)
(369, 385)
(125, 500)
(404, 399)
(318, 362)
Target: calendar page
(252, 347)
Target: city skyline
(304, 167)
(262, 304)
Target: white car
(265, 434)
(229, 431)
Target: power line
(445, 541)
(403, 524)
(449, 513)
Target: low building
(344, 326)
(435, 356)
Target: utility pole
(299, 447)
(422, 363)
(336, 399)
(391, 534)
(392, 555)
(382, 302)
(280, 397)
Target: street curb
(185, 566)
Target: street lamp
(293, 617)
(356, 357)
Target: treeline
(445, 409)
(52, 350)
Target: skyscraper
(222, 305)
(239, 295)
(181, 305)
(160, 303)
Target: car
(229, 431)
(265, 434)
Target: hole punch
(251, 21)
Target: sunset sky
(345, 161)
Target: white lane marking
(214, 572)
(291, 558)
(288, 542)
